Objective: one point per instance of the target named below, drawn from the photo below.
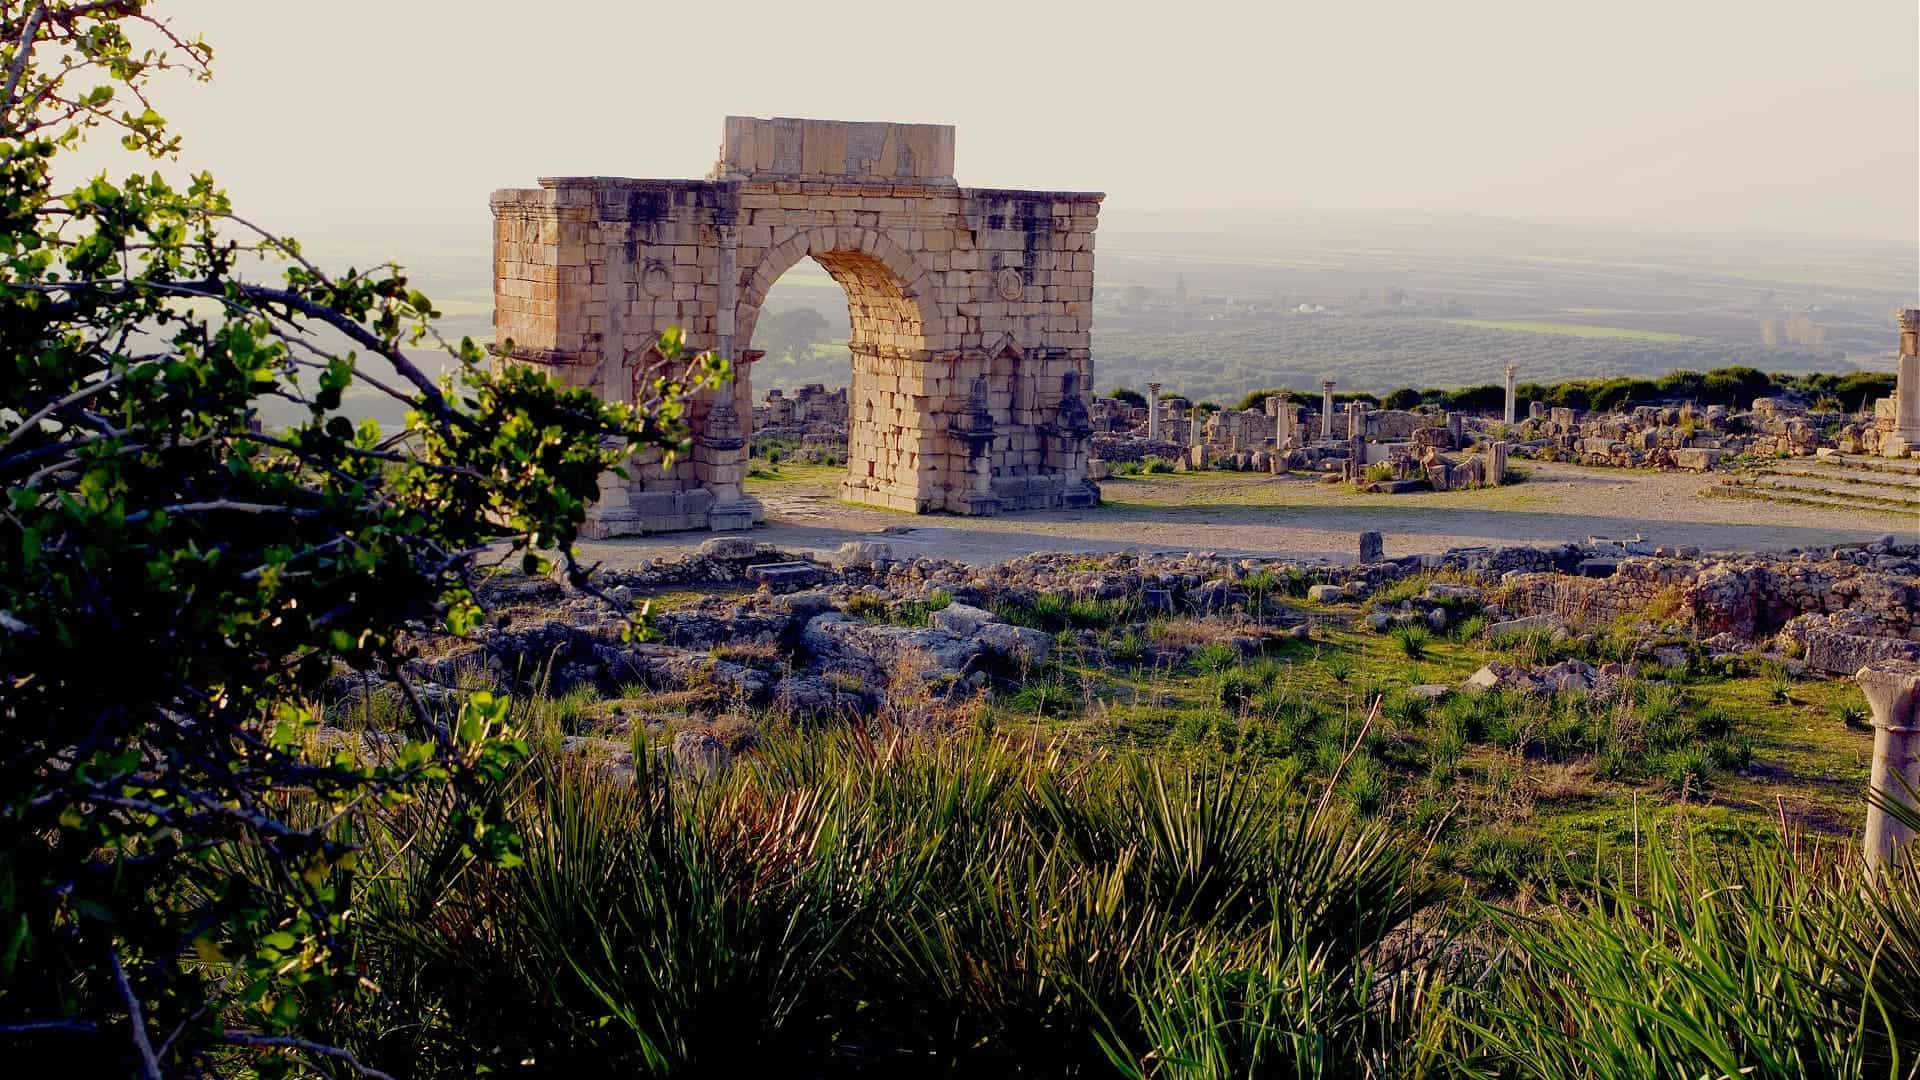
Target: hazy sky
(1790, 115)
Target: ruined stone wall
(1597, 601)
(1235, 430)
(971, 309)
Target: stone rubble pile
(859, 627)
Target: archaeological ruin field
(1073, 579)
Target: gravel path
(1241, 513)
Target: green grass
(1578, 330)
(794, 474)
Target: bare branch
(285, 1042)
(149, 1065)
(78, 1027)
(21, 51)
(79, 395)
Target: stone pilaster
(721, 450)
(1066, 443)
(975, 432)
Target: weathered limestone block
(1373, 547)
(1496, 467)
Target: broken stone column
(1326, 409)
(1356, 419)
(1536, 410)
(1906, 391)
(1456, 431)
(1892, 689)
(1153, 412)
(1513, 405)
(1496, 464)
(1373, 547)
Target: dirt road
(1295, 517)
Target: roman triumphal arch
(971, 310)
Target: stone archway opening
(886, 339)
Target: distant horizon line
(1275, 213)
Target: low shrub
(1468, 629)
(1214, 657)
(1412, 639)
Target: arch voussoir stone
(589, 271)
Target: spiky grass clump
(1412, 639)
(1753, 961)
(854, 903)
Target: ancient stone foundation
(971, 311)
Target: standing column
(1280, 431)
(1892, 688)
(1326, 408)
(1906, 390)
(1153, 412)
(1513, 406)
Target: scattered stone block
(698, 755)
(962, 619)
(862, 554)
(730, 547)
(839, 640)
(1441, 592)
(1670, 656)
(1527, 624)
(1018, 644)
(786, 576)
(1373, 547)
(1843, 654)
(1569, 676)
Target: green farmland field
(1571, 329)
